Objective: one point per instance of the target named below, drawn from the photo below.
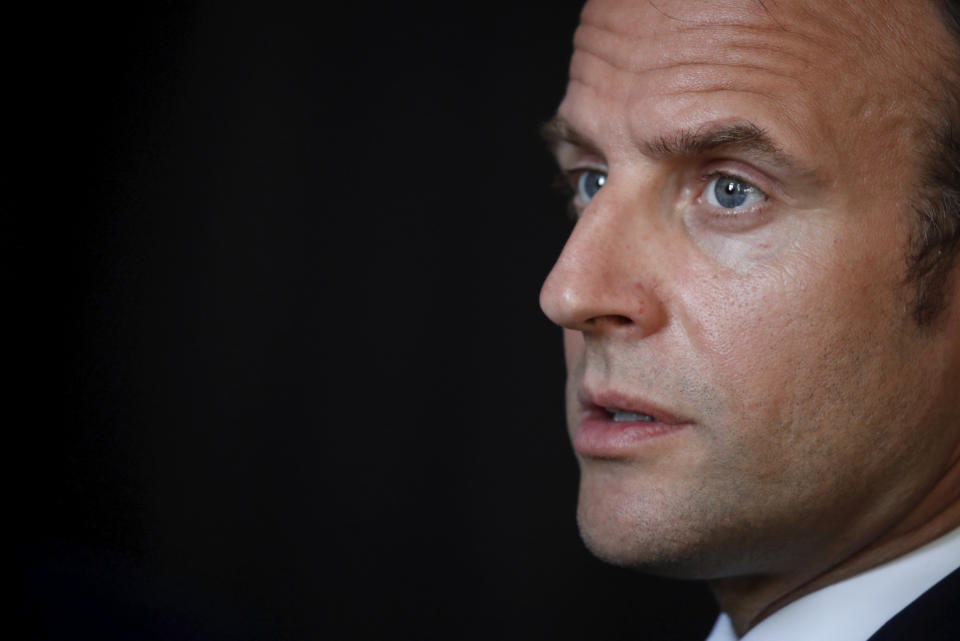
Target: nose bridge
(606, 274)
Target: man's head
(759, 381)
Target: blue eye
(589, 183)
(729, 193)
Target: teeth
(623, 416)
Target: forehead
(871, 34)
(806, 69)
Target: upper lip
(613, 399)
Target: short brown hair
(937, 236)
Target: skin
(823, 432)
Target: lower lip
(599, 436)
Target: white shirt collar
(855, 608)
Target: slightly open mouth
(625, 416)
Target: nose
(604, 279)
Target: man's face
(746, 183)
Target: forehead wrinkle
(672, 143)
(640, 55)
(705, 65)
(770, 47)
(861, 24)
(701, 81)
(778, 40)
(875, 40)
(596, 43)
(614, 12)
(722, 89)
(704, 77)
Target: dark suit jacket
(933, 616)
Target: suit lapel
(933, 616)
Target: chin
(656, 559)
(641, 533)
(622, 537)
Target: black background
(284, 371)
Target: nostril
(611, 319)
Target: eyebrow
(558, 130)
(742, 136)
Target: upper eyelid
(581, 163)
(708, 167)
(744, 171)
(708, 177)
(573, 171)
(568, 154)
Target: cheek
(773, 297)
(787, 336)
